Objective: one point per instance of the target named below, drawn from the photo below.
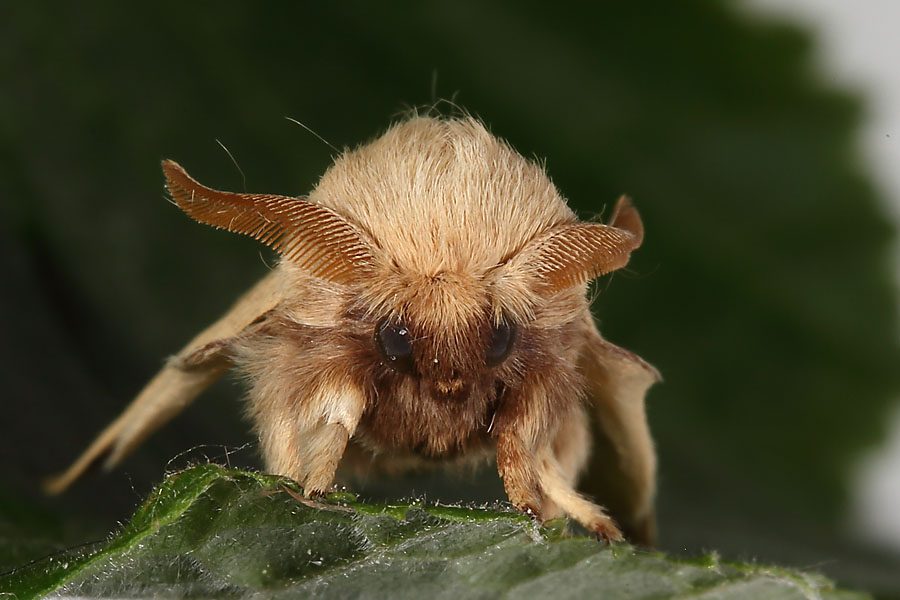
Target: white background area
(857, 45)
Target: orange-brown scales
(429, 304)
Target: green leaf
(214, 532)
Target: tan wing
(183, 378)
(622, 472)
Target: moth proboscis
(430, 302)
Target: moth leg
(326, 451)
(525, 423)
(519, 471)
(307, 442)
(309, 456)
(539, 478)
(572, 449)
(557, 485)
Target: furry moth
(430, 302)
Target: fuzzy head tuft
(437, 230)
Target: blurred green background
(763, 293)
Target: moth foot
(315, 494)
(531, 512)
(605, 530)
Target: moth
(429, 303)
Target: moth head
(453, 246)
(453, 327)
(443, 332)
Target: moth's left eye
(502, 337)
(393, 341)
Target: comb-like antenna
(625, 216)
(310, 235)
(574, 254)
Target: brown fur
(442, 227)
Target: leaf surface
(214, 532)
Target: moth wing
(200, 363)
(622, 472)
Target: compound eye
(503, 335)
(393, 341)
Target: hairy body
(430, 303)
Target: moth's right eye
(501, 343)
(393, 341)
